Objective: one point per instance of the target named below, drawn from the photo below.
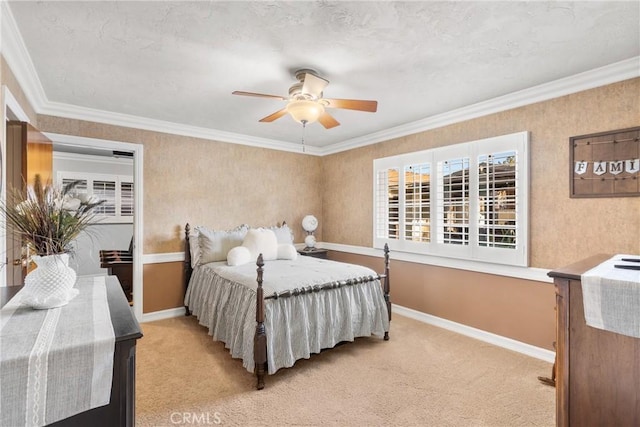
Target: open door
(29, 153)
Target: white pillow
(261, 241)
(215, 245)
(238, 256)
(287, 251)
(283, 234)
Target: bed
(272, 312)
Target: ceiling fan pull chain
(304, 126)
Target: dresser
(121, 409)
(597, 371)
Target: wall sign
(605, 164)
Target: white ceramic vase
(51, 284)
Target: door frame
(137, 150)
(11, 110)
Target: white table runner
(56, 363)
(611, 296)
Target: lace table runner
(611, 296)
(56, 363)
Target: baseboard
(498, 340)
(162, 314)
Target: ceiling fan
(306, 105)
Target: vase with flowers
(49, 218)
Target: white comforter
(224, 300)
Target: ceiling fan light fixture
(305, 111)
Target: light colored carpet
(423, 376)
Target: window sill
(527, 273)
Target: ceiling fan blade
(328, 121)
(259, 95)
(274, 116)
(353, 104)
(313, 84)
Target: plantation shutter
(80, 188)
(498, 192)
(387, 204)
(417, 204)
(105, 190)
(453, 201)
(126, 198)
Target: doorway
(93, 147)
(13, 111)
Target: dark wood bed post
(260, 338)
(187, 265)
(387, 285)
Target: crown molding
(17, 57)
(118, 119)
(612, 73)
(19, 60)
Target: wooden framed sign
(605, 164)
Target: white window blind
(453, 201)
(116, 190)
(387, 203)
(466, 200)
(105, 190)
(417, 224)
(497, 191)
(126, 199)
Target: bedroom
(515, 303)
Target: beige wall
(562, 230)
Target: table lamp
(309, 224)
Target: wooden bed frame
(260, 337)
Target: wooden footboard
(260, 337)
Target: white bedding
(224, 300)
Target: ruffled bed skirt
(296, 326)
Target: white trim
(162, 258)
(126, 120)
(497, 340)
(527, 273)
(138, 176)
(488, 337)
(163, 314)
(75, 157)
(19, 60)
(612, 73)
(179, 256)
(9, 102)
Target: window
(466, 201)
(115, 190)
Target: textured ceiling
(180, 61)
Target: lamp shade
(305, 111)
(309, 223)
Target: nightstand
(314, 252)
